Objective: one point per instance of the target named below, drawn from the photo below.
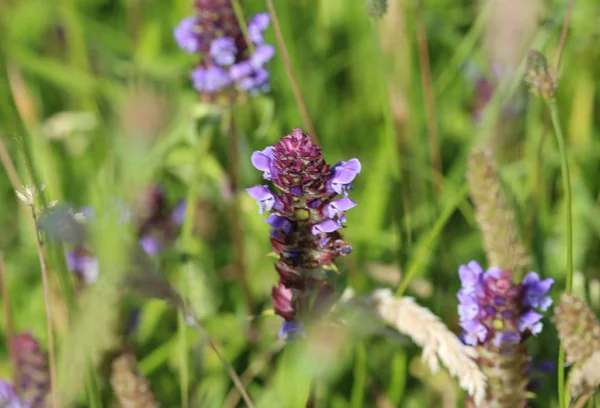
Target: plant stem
(360, 373)
(566, 179)
(429, 99)
(52, 368)
(235, 222)
(239, 14)
(288, 67)
(8, 323)
(429, 239)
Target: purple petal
(185, 36)
(240, 70)
(150, 245)
(9, 397)
(263, 160)
(338, 207)
(223, 51)
(178, 214)
(474, 331)
(279, 223)
(290, 331)
(325, 227)
(263, 196)
(256, 26)
(469, 276)
(528, 319)
(506, 338)
(211, 79)
(262, 54)
(468, 311)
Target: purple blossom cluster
(227, 60)
(496, 312)
(306, 213)
(157, 225)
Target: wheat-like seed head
(438, 342)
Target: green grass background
(107, 75)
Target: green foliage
(362, 85)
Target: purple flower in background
(150, 244)
(257, 26)
(497, 313)
(9, 397)
(80, 262)
(343, 174)
(263, 196)
(178, 214)
(223, 50)
(291, 330)
(306, 216)
(222, 45)
(185, 35)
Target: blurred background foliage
(98, 94)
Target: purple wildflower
(226, 61)
(490, 300)
(150, 244)
(178, 214)
(306, 216)
(84, 265)
(32, 363)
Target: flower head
(83, 264)
(226, 63)
(496, 312)
(291, 330)
(306, 217)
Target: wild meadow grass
(134, 267)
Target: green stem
(566, 179)
(433, 233)
(360, 373)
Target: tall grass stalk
(290, 71)
(564, 165)
(234, 210)
(429, 99)
(51, 351)
(429, 239)
(360, 374)
(8, 322)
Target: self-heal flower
(80, 262)
(227, 65)
(223, 50)
(185, 35)
(343, 174)
(306, 220)
(263, 196)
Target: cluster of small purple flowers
(226, 59)
(33, 378)
(306, 216)
(496, 312)
(156, 223)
